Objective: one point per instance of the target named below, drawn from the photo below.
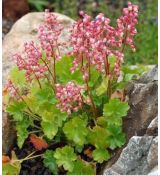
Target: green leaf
(65, 157)
(102, 121)
(51, 120)
(116, 138)
(53, 115)
(100, 155)
(63, 71)
(46, 94)
(99, 100)
(50, 162)
(103, 87)
(115, 110)
(22, 132)
(17, 77)
(79, 148)
(76, 130)
(16, 109)
(81, 168)
(50, 129)
(98, 137)
(8, 169)
(39, 4)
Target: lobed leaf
(50, 162)
(81, 168)
(65, 157)
(16, 109)
(100, 155)
(103, 87)
(52, 120)
(50, 129)
(117, 137)
(22, 132)
(76, 130)
(115, 110)
(17, 77)
(98, 137)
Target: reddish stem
(38, 81)
(91, 99)
(49, 72)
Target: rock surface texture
(140, 155)
(22, 31)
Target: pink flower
(48, 35)
(12, 89)
(69, 97)
(94, 40)
(126, 24)
(30, 61)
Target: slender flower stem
(49, 72)
(88, 89)
(28, 157)
(35, 126)
(58, 49)
(109, 90)
(31, 132)
(33, 116)
(91, 99)
(31, 154)
(32, 157)
(124, 40)
(50, 83)
(38, 81)
(35, 74)
(54, 69)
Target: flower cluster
(93, 41)
(30, 61)
(126, 30)
(126, 24)
(48, 35)
(11, 89)
(87, 41)
(69, 97)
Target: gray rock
(139, 157)
(133, 159)
(150, 76)
(153, 127)
(22, 31)
(154, 171)
(152, 157)
(143, 100)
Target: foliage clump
(71, 104)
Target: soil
(32, 166)
(35, 166)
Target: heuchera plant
(71, 99)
